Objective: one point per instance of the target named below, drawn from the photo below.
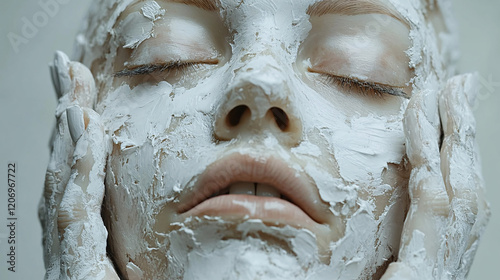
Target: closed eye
(363, 87)
(165, 68)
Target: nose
(259, 103)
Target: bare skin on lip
(269, 171)
(240, 207)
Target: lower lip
(271, 210)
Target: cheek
(140, 184)
(360, 146)
(128, 207)
(389, 201)
(365, 147)
(157, 134)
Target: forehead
(314, 7)
(104, 15)
(268, 8)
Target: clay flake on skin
(276, 139)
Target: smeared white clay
(139, 118)
(347, 144)
(139, 26)
(244, 255)
(152, 10)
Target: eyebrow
(209, 5)
(352, 8)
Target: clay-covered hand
(448, 211)
(70, 210)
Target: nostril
(281, 118)
(235, 115)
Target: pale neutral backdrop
(27, 104)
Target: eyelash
(363, 87)
(165, 68)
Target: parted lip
(244, 168)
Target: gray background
(27, 104)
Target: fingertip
(456, 112)
(55, 80)
(424, 106)
(411, 113)
(80, 120)
(61, 77)
(422, 128)
(462, 90)
(93, 136)
(469, 85)
(430, 107)
(92, 121)
(473, 87)
(76, 122)
(73, 83)
(84, 91)
(60, 58)
(411, 131)
(416, 99)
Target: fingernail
(55, 80)
(60, 74)
(76, 122)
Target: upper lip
(244, 168)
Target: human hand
(448, 211)
(70, 209)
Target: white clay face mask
(257, 139)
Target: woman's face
(258, 137)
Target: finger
(460, 164)
(422, 130)
(72, 78)
(421, 243)
(56, 177)
(73, 82)
(60, 74)
(82, 231)
(70, 87)
(58, 170)
(462, 174)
